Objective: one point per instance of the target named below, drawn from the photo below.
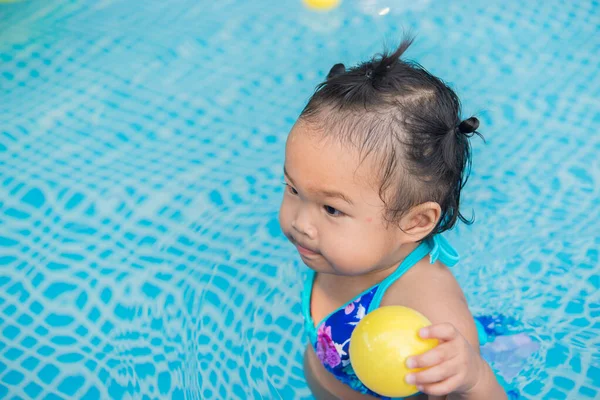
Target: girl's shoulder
(433, 290)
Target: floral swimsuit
(331, 337)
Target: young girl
(374, 169)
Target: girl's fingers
(442, 388)
(435, 356)
(436, 374)
(444, 332)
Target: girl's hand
(452, 367)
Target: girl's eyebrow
(326, 193)
(287, 175)
(333, 193)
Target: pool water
(141, 149)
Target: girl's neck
(352, 285)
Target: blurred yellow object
(380, 345)
(322, 4)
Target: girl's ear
(420, 220)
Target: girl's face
(331, 209)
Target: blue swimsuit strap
(437, 247)
(306, 295)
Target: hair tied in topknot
(336, 70)
(468, 126)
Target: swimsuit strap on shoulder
(442, 250)
(437, 247)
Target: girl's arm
(454, 369)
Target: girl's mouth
(304, 251)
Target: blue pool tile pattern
(141, 149)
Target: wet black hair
(410, 121)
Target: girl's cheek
(284, 217)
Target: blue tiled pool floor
(140, 166)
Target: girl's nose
(302, 224)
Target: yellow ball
(322, 4)
(380, 345)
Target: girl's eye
(291, 189)
(332, 211)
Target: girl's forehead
(321, 160)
